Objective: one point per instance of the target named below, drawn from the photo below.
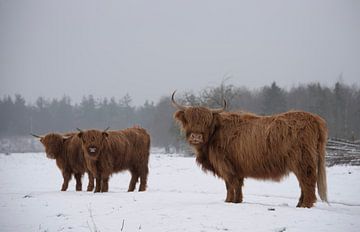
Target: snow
(180, 197)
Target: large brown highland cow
(108, 152)
(66, 150)
(234, 146)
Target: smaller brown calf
(108, 152)
(66, 150)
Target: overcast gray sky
(149, 48)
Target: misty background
(93, 64)
(339, 105)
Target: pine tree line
(339, 105)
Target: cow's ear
(80, 135)
(105, 134)
(180, 116)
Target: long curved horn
(67, 136)
(107, 128)
(36, 136)
(79, 129)
(221, 109)
(176, 105)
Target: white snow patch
(180, 197)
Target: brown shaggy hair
(108, 152)
(66, 150)
(234, 146)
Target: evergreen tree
(274, 99)
(340, 111)
(87, 113)
(6, 120)
(41, 117)
(163, 123)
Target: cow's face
(92, 142)
(197, 123)
(53, 144)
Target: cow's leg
(98, 184)
(105, 184)
(309, 185)
(238, 198)
(307, 180)
(90, 186)
(133, 181)
(67, 177)
(230, 192)
(78, 181)
(308, 197)
(143, 179)
(301, 199)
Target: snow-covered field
(180, 197)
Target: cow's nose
(199, 137)
(195, 136)
(92, 149)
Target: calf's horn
(67, 136)
(79, 129)
(176, 105)
(36, 136)
(221, 109)
(107, 128)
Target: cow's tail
(321, 175)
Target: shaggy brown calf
(66, 150)
(108, 152)
(234, 146)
